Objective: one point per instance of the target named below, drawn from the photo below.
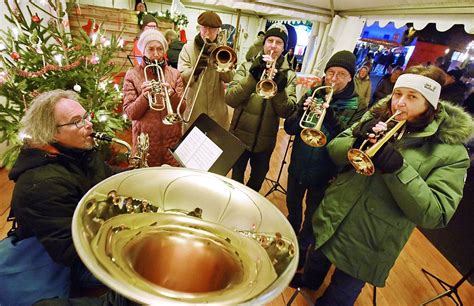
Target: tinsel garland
(47, 68)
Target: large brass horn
(266, 87)
(361, 159)
(158, 97)
(223, 57)
(174, 235)
(312, 120)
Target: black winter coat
(49, 185)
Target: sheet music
(197, 151)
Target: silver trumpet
(158, 97)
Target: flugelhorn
(139, 159)
(158, 97)
(167, 235)
(223, 57)
(313, 117)
(266, 87)
(361, 159)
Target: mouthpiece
(102, 136)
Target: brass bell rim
(369, 169)
(309, 133)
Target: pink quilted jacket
(148, 120)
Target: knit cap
(151, 35)
(344, 59)
(278, 30)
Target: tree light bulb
(58, 58)
(2, 46)
(103, 118)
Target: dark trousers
(294, 203)
(259, 165)
(342, 290)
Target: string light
(94, 38)
(59, 58)
(103, 118)
(15, 34)
(2, 47)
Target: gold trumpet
(361, 159)
(266, 87)
(223, 57)
(311, 133)
(157, 90)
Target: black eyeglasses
(79, 123)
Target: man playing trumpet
(256, 119)
(310, 168)
(147, 117)
(206, 91)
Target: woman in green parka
(363, 222)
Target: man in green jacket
(364, 221)
(256, 119)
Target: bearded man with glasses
(310, 168)
(56, 167)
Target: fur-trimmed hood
(452, 124)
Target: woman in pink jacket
(153, 46)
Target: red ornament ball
(15, 56)
(35, 19)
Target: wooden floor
(406, 285)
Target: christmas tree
(39, 54)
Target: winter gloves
(387, 159)
(258, 67)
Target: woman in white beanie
(363, 222)
(144, 119)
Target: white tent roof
(421, 12)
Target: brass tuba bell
(174, 235)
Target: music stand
(201, 141)
(451, 290)
(276, 186)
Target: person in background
(148, 22)
(55, 168)
(363, 85)
(174, 47)
(206, 91)
(256, 48)
(256, 120)
(385, 85)
(137, 107)
(363, 222)
(291, 58)
(454, 90)
(310, 168)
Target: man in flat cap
(256, 119)
(207, 85)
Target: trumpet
(311, 133)
(266, 87)
(361, 159)
(158, 89)
(223, 57)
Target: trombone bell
(224, 58)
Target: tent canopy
(419, 12)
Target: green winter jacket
(363, 222)
(255, 120)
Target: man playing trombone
(206, 88)
(310, 168)
(152, 95)
(262, 92)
